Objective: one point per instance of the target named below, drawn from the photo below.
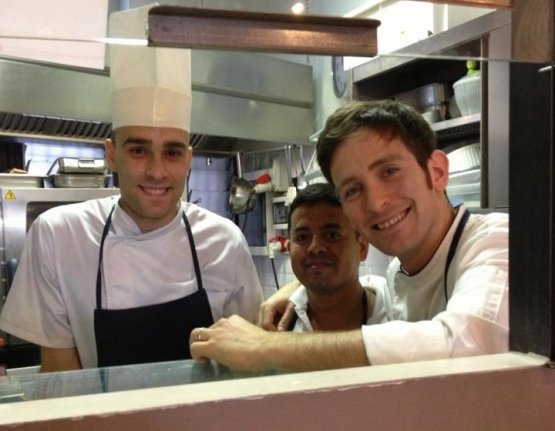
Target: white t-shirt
(372, 283)
(476, 320)
(52, 298)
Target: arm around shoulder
(276, 313)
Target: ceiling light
(297, 8)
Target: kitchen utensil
(291, 189)
(314, 137)
(242, 193)
(241, 196)
(301, 180)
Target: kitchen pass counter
(510, 391)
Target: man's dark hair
(311, 195)
(389, 118)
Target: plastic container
(468, 90)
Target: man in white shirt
(447, 288)
(124, 280)
(325, 256)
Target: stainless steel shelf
(456, 122)
(461, 42)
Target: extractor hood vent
(238, 98)
(16, 125)
(213, 143)
(57, 128)
(53, 127)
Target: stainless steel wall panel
(235, 95)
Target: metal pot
(241, 197)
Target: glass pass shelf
(36, 386)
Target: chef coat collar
(123, 224)
(434, 266)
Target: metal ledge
(183, 27)
(460, 42)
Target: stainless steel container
(432, 98)
(21, 181)
(78, 180)
(74, 165)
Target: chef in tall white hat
(124, 280)
(151, 98)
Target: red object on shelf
(282, 240)
(264, 178)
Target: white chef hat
(150, 86)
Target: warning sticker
(10, 196)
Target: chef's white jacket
(52, 299)
(420, 326)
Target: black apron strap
(100, 256)
(364, 306)
(193, 251)
(453, 249)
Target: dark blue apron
(151, 333)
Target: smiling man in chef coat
(124, 280)
(447, 288)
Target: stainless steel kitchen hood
(238, 99)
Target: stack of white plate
(464, 175)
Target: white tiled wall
(376, 263)
(265, 273)
(209, 183)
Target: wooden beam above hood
(184, 27)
